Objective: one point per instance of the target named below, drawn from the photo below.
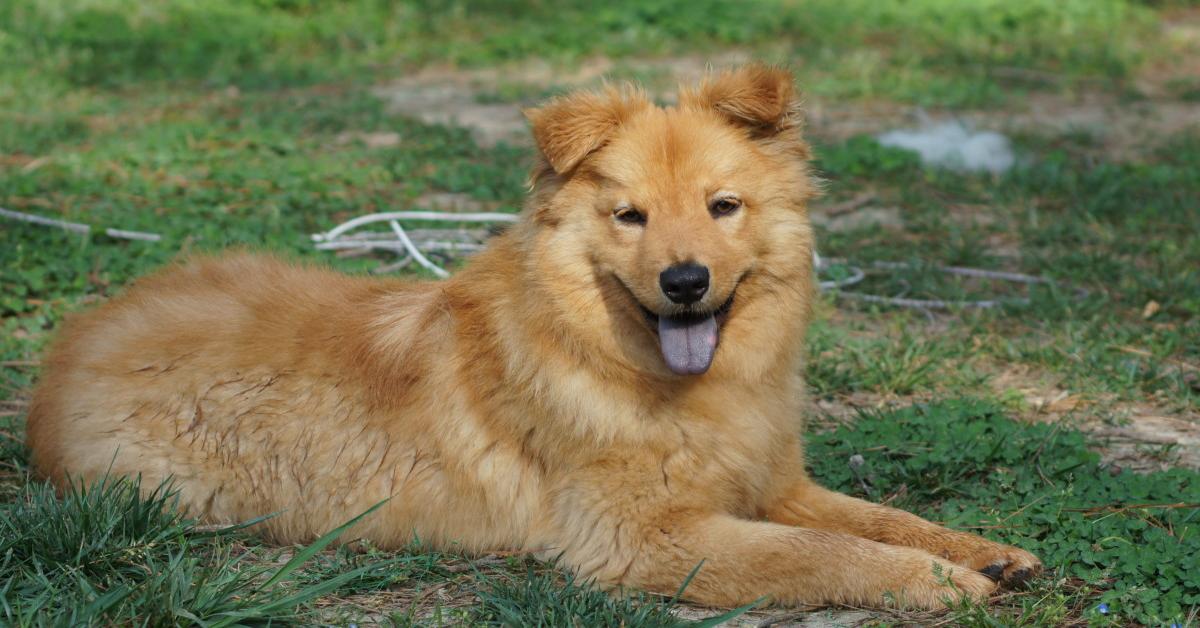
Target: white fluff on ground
(954, 146)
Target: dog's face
(682, 216)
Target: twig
(786, 616)
(1027, 74)
(487, 561)
(1022, 508)
(393, 267)
(848, 206)
(1146, 354)
(1110, 509)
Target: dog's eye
(629, 216)
(725, 206)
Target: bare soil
(1115, 123)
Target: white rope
(133, 235)
(77, 227)
(415, 252)
(411, 245)
(393, 245)
(433, 216)
(49, 222)
(858, 274)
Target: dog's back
(224, 373)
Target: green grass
(1123, 233)
(932, 51)
(107, 554)
(227, 123)
(1099, 532)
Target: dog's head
(682, 227)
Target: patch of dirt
(452, 202)
(1150, 440)
(1117, 127)
(444, 95)
(889, 218)
(1180, 68)
(370, 140)
(451, 101)
(1136, 436)
(831, 412)
(782, 617)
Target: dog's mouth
(688, 340)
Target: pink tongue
(688, 345)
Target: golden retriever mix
(615, 382)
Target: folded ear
(756, 96)
(571, 127)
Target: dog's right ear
(571, 127)
(757, 96)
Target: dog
(614, 383)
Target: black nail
(993, 571)
(1020, 576)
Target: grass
(932, 51)
(227, 123)
(1113, 537)
(110, 554)
(1115, 230)
(113, 554)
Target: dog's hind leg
(811, 506)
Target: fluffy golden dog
(614, 382)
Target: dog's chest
(733, 462)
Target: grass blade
(303, 555)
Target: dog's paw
(940, 584)
(1010, 566)
(972, 585)
(946, 586)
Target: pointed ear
(569, 128)
(756, 96)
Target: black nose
(684, 283)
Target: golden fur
(523, 404)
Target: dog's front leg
(742, 561)
(811, 506)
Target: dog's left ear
(760, 98)
(571, 127)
